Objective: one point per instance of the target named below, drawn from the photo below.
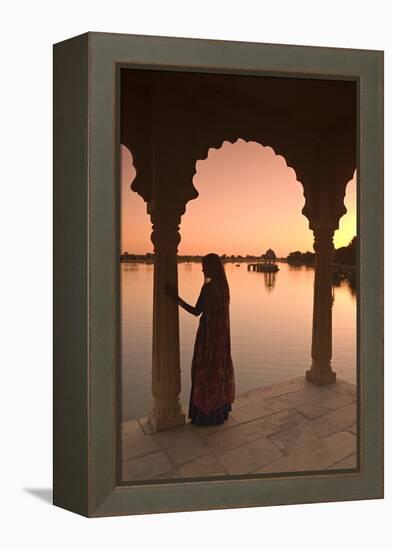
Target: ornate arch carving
(171, 120)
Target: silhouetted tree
(346, 254)
(301, 257)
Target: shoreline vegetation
(343, 262)
(344, 257)
(149, 258)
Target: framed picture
(218, 274)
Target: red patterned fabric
(212, 374)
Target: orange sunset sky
(249, 201)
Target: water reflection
(270, 280)
(130, 266)
(349, 282)
(352, 284)
(270, 331)
(298, 267)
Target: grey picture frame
(86, 302)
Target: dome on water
(269, 255)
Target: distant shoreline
(229, 259)
(344, 258)
(149, 259)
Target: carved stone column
(166, 384)
(321, 371)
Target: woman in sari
(212, 375)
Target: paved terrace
(288, 427)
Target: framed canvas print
(218, 274)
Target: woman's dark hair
(213, 268)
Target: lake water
(271, 320)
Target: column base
(320, 377)
(159, 423)
(166, 414)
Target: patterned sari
(212, 374)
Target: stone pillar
(166, 384)
(321, 371)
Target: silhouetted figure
(212, 375)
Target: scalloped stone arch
(125, 151)
(277, 149)
(344, 194)
(345, 197)
(218, 144)
(268, 178)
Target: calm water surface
(271, 320)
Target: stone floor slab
(349, 462)
(254, 408)
(146, 467)
(182, 444)
(319, 455)
(339, 419)
(135, 443)
(248, 411)
(230, 423)
(336, 401)
(306, 395)
(248, 457)
(131, 428)
(311, 410)
(341, 386)
(203, 466)
(274, 390)
(244, 433)
(353, 429)
(308, 431)
(284, 427)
